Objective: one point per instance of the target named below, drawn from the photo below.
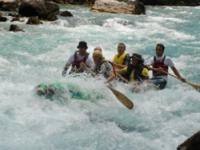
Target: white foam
(150, 29)
(166, 19)
(118, 24)
(159, 120)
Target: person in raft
(101, 66)
(59, 91)
(121, 59)
(49, 90)
(160, 66)
(79, 60)
(135, 71)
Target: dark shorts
(159, 82)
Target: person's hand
(182, 79)
(83, 65)
(160, 69)
(148, 67)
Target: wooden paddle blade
(195, 86)
(122, 98)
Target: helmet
(82, 44)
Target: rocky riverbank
(49, 9)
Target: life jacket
(120, 59)
(98, 67)
(160, 64)
(137, 73)
(76, 63)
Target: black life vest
(160, 64)
(137, 72)
(76, 63)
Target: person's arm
(87, 69)
(89, 63)
(118, 73)
(171, 64)
(176, 72)
(67, 65)
(119, 65)
(112, 77)
(87, 66)
(148, 64)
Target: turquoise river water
(160, 120)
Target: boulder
(34, 21)
(15, 19)
(59, 1)
(43, 9)
(14, 28)
(192, 143)
(8, 5)
(79, 2)
(13, 14)
(66, 14)
(172, 2)
(139, 8)
(52, 11)
(116, 6)
(3, 19)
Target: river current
(160, 120)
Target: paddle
(195, 86)
(122, 98)
(122, 78)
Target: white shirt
(88, 62)
(168, 62)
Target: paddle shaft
(120, 96)
(195, 86)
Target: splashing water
(160, 119)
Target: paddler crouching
(53, 90)
(62, 91)
(45, 90)
(135, 72)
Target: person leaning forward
(79, 60)
(101, 66)
(160, 66)
(135, 71)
